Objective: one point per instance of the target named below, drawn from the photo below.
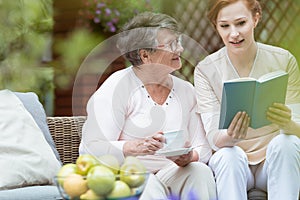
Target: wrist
(128, 149)
(225, 140)
(292, 129)
(195, 156)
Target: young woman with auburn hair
(266, 158)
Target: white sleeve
(211, 127)
(295, 108)
(105, 120)
(198, 138)
(216, 137)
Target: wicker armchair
(66, 133)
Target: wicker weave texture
(66, 133)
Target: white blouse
(121, 109)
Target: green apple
(64, 171)
(75, 185)
(84, 163)
(101, 180)
(111, 162)
(91, 195)
(132, 175)
(133, 172)
(132, 159)
(121, 189)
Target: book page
(271, 75)
(242, 79)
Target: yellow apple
(84, 163)
(91, 195)
(75, 185)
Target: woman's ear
(256, 19)
(144, 55)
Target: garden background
(43, 42)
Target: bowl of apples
(95, 178)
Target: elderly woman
(129, 113)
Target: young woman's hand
(239, 126)
(281, 115)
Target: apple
(121, 189)
(132, 175)
(91, 195)
(110, 161)
(132, 159)
(64, 171)
(101, 180)
(84, 163)
(75, 185)
(133, 172)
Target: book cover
(253, 96)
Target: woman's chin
(174, 68)
(176, 65)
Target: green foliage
(73, 50)
(24, 29)
(112, 14)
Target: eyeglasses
(173, 45)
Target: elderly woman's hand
(182, 160)
(185, 159)
(146, 146)
(281, 115)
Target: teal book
(253, 96)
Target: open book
(253, 96)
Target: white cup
(174, 139)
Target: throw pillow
(26, 157)
(31, 102)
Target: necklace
(158, 90)
(158, 94)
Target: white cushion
(25, 156)
(32, 104)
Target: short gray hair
(141, 32)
